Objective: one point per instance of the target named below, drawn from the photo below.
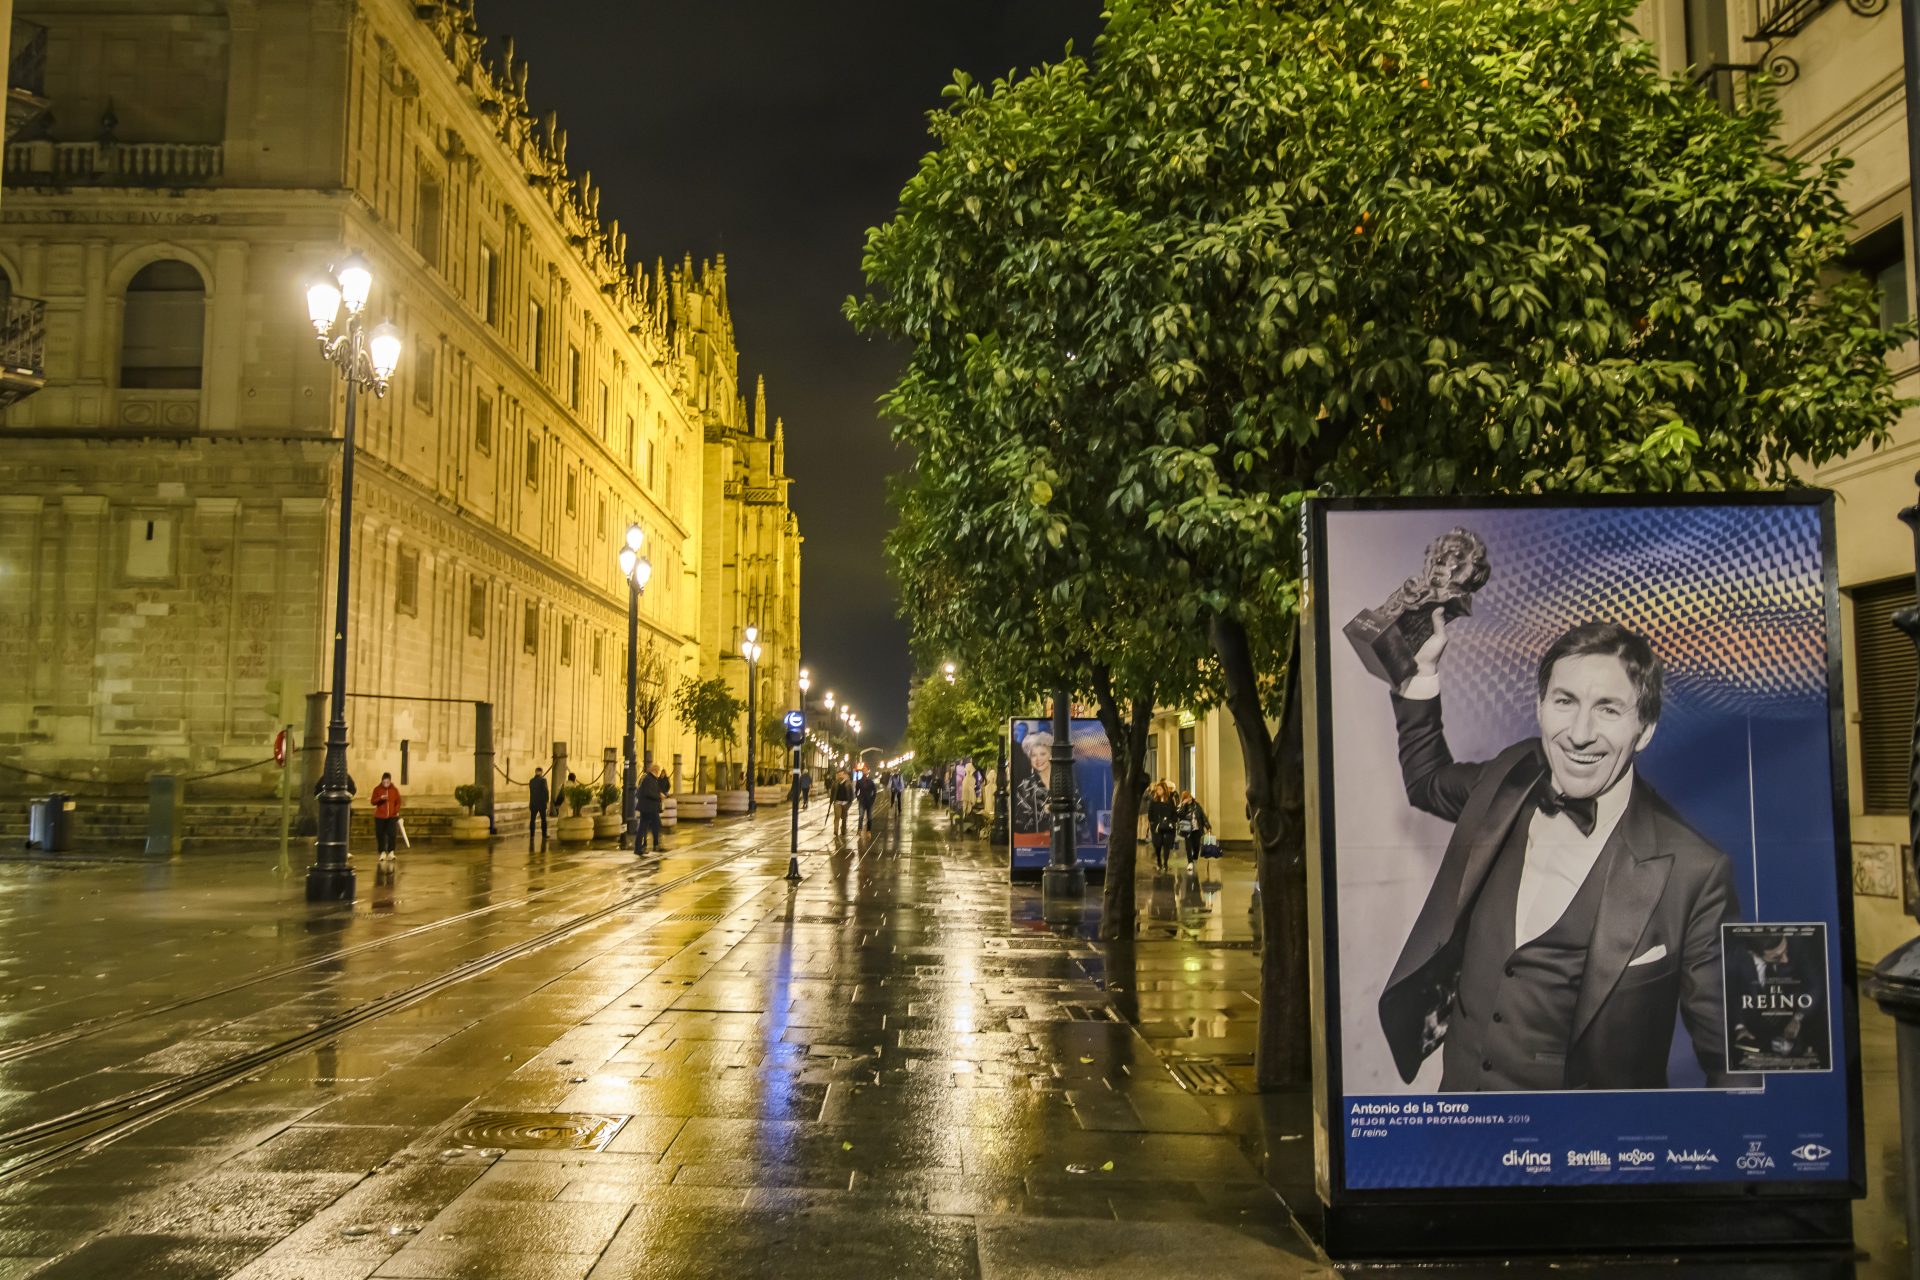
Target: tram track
(88, 1028)
(31, 1149)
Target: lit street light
(636, 569)
(364, 360)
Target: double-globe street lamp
(364, 359)
(750, 650)
(636, 569)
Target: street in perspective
(1021, 640)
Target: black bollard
(1895, 983)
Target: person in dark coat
(652, 794)
(842, 797)
(1160, 820)
(1193, 824)
(864, 791)
(538, 796)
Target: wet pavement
(533, 1063)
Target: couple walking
(845, 792)
(1171, 816)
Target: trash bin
(50, 823)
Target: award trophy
(1387, 638)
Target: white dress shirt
(1559, 859)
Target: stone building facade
(168, 501)
(1837, 68)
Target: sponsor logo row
(1807, 1158)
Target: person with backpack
(386, 816)
(1193, 824)
(1161, 815)
(538, 795)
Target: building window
(600, 520)
(163, 327)
(1881, 256)
(483, 422)
(632, 433)
(596, 655)
(423, 376)
(1884, 665)
(537, 336)
(477, 609)
(1709, 48)
(406, 582)
(426, 220)
(573, 377)
(566, 642)
(605, 416)
(149, 549)
(1189, 758)
(533, 463)
(530, 628)
(489, 281)
(571, 491)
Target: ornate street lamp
(636, 569)
(365, 360)
(750, 650)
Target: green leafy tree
(948, 722)
(708, 710)
(1254, 250)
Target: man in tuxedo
(1574, 912)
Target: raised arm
(1435, 782)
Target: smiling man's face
(1590, 723)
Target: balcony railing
(1781, 19)
(23, 348)
(129, 164)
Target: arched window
(160, 337)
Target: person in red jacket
(386, 815)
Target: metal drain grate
(698, 917)
(539, 1130)
(1201, 1075)
(1232, 944)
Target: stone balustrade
(141, 164)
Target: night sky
(777, 133)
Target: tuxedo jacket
(1667, 892)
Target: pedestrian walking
(538, 796)
(560, 795)
(896, 789)
(651, 803)
(806, 788)
(1193, 824)
(386, 815)
(842, 798)
(865, 791)
(1162, 813)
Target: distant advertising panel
(1030, 773)
(1578, 801)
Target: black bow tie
(1583, 812)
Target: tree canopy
(1253, 250)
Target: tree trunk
(1127, 731)
(1276, 810)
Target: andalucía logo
(1691, 1158)
(1756, 1160)
(1637, 1158)
(1529, 1161)
(1811, 1153)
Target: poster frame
(1476, 1218)
(1094, 863)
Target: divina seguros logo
(1529, 1161)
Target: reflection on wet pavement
(681, 1068)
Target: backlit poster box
(1578, 812)
(1029, 774)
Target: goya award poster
(1030, 777)
(1579, 806)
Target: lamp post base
(793, 868)
(1063, 890)
(329, 883)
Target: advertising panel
(1030, 770)
(1579, 800)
